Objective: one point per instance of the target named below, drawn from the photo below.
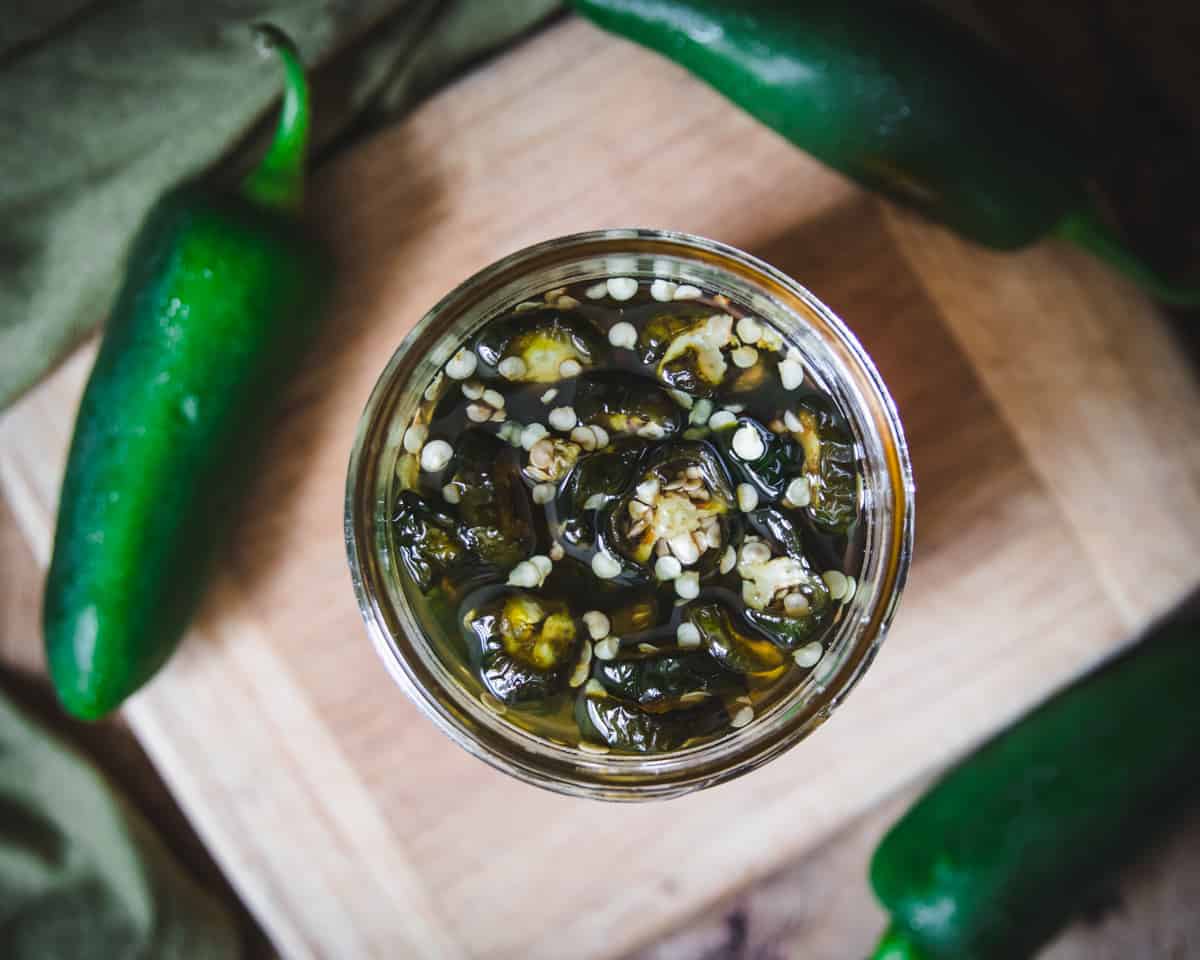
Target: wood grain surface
(1053, 433)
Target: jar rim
(390, 619)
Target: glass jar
(833, 358)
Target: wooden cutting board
(1054, 428)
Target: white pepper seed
(808, 655)
(647, 648)
(687, 585)
(728, 559)
(755, 552)
(744, 357)
(597, 291)
(747, 497)
(851, 589)
(584, 437)
(563, 418)
(605, 565)
(607, 648)
(685, 291)
(435, 455)
(622, 288)
(662, 290)
(557, 552)
(451, 494)
(598, 625)
(791, 374)
(685, 400)
(792, 422)
(667, 568)
(748, 330)
(549, 395)
(566, 303)
(684, 548)
(478, 413)
(747, 444)
(721, 419)
(651, 431)
(543, 493)
(798, 493)
(512, 368)
(524, 574)
(461, 365)
(594, 502)
(594, 688)
(647, 490)
(532, 433)
(835, 580)
(472, 389)
(743, 716)
(795, 604)
(623, 334)
(570, 368)
(414, 437)
(688, 635)
(701, 412)
(601, 436)
(542, 564)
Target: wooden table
(1053, 427)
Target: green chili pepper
(901, 100)
(221, 293)
(999, 853)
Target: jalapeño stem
(1085, 228)
(278, 180)
(896, 944)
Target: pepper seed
(687, 585)
(742, 717)
(607, 648)
(597, 291)
(623, 335)
(795, 604)
(662, 290)
(563, 418)
(435, 455)
(543, 493)
(720, 419)
(836, 581)
(685, 291)
(791, 374)
(744, 357)
(598, 625)
(512, 368)
(799, 493)
(450, 493)
(621, 288)
(549, 395)
(557, 552)
(478, 413)
(532, 433)
(605, 565)
(414, 437)
(594, 688)
(792, 422)
(808, 655)
(747, 496)
(728, 559)
(701, 412)
(747, 444)
(570, 368)
(688, 635)
(748, 330)
(667, 568)
(461, 365)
